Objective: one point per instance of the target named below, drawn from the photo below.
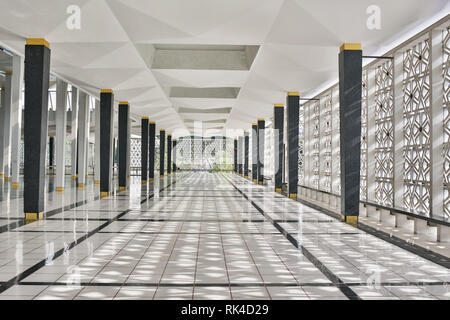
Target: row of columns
(36, 79)
(148, 147)
(10, 118)
(258, 147)
(350, 82)
(37, 75)
(37, 55)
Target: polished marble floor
(199, 236)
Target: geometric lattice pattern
(384, 134)
(446, 72)
(135, 153)
(315, 109)
(319, 127)
(364, 110)
(417, 126)
(325, 143)
(335, 122)
(215, 153)
(301, 143)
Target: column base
(293, 196)
(2, 175)
(15, 185)
(74, 178)
(260, 183)
(278, 190)
(122, 188)
(97, 182)
(254, 180)
(104, 194)
(144, 181)
(151, 179)
(59, 189)
(351, 220)
(162, 176)
(34, 216)
(7, 179)
(81, 186)
(246, 177)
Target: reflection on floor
(200, 236)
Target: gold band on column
(34, 216)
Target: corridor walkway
(203, 236)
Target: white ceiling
(120, 40)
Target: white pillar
(371, 135)
(74, 132)
(61, 124)
(7, 128)
(437, 123)
(2, 133)
(16, 117)
(97, 143)
(83, 137)
(398, 130)
(88, 132)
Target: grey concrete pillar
(74, 133)
(83, 138)
(292, 106)
(2, 132)
(7, 128)
(350, 95)
(16, 118)
(37, 76)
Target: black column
(37, 73)
(162, 151)
(106, 140)
(51, 154)
(144, 150)
(350, 82)
(292, 104)
(151, 151)
(246, 143)
(174, 156)
(278, 120)
(169, 154)
(261, 136)
(240, 147)
(255, 152)
(235, 167)
(124, 113)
